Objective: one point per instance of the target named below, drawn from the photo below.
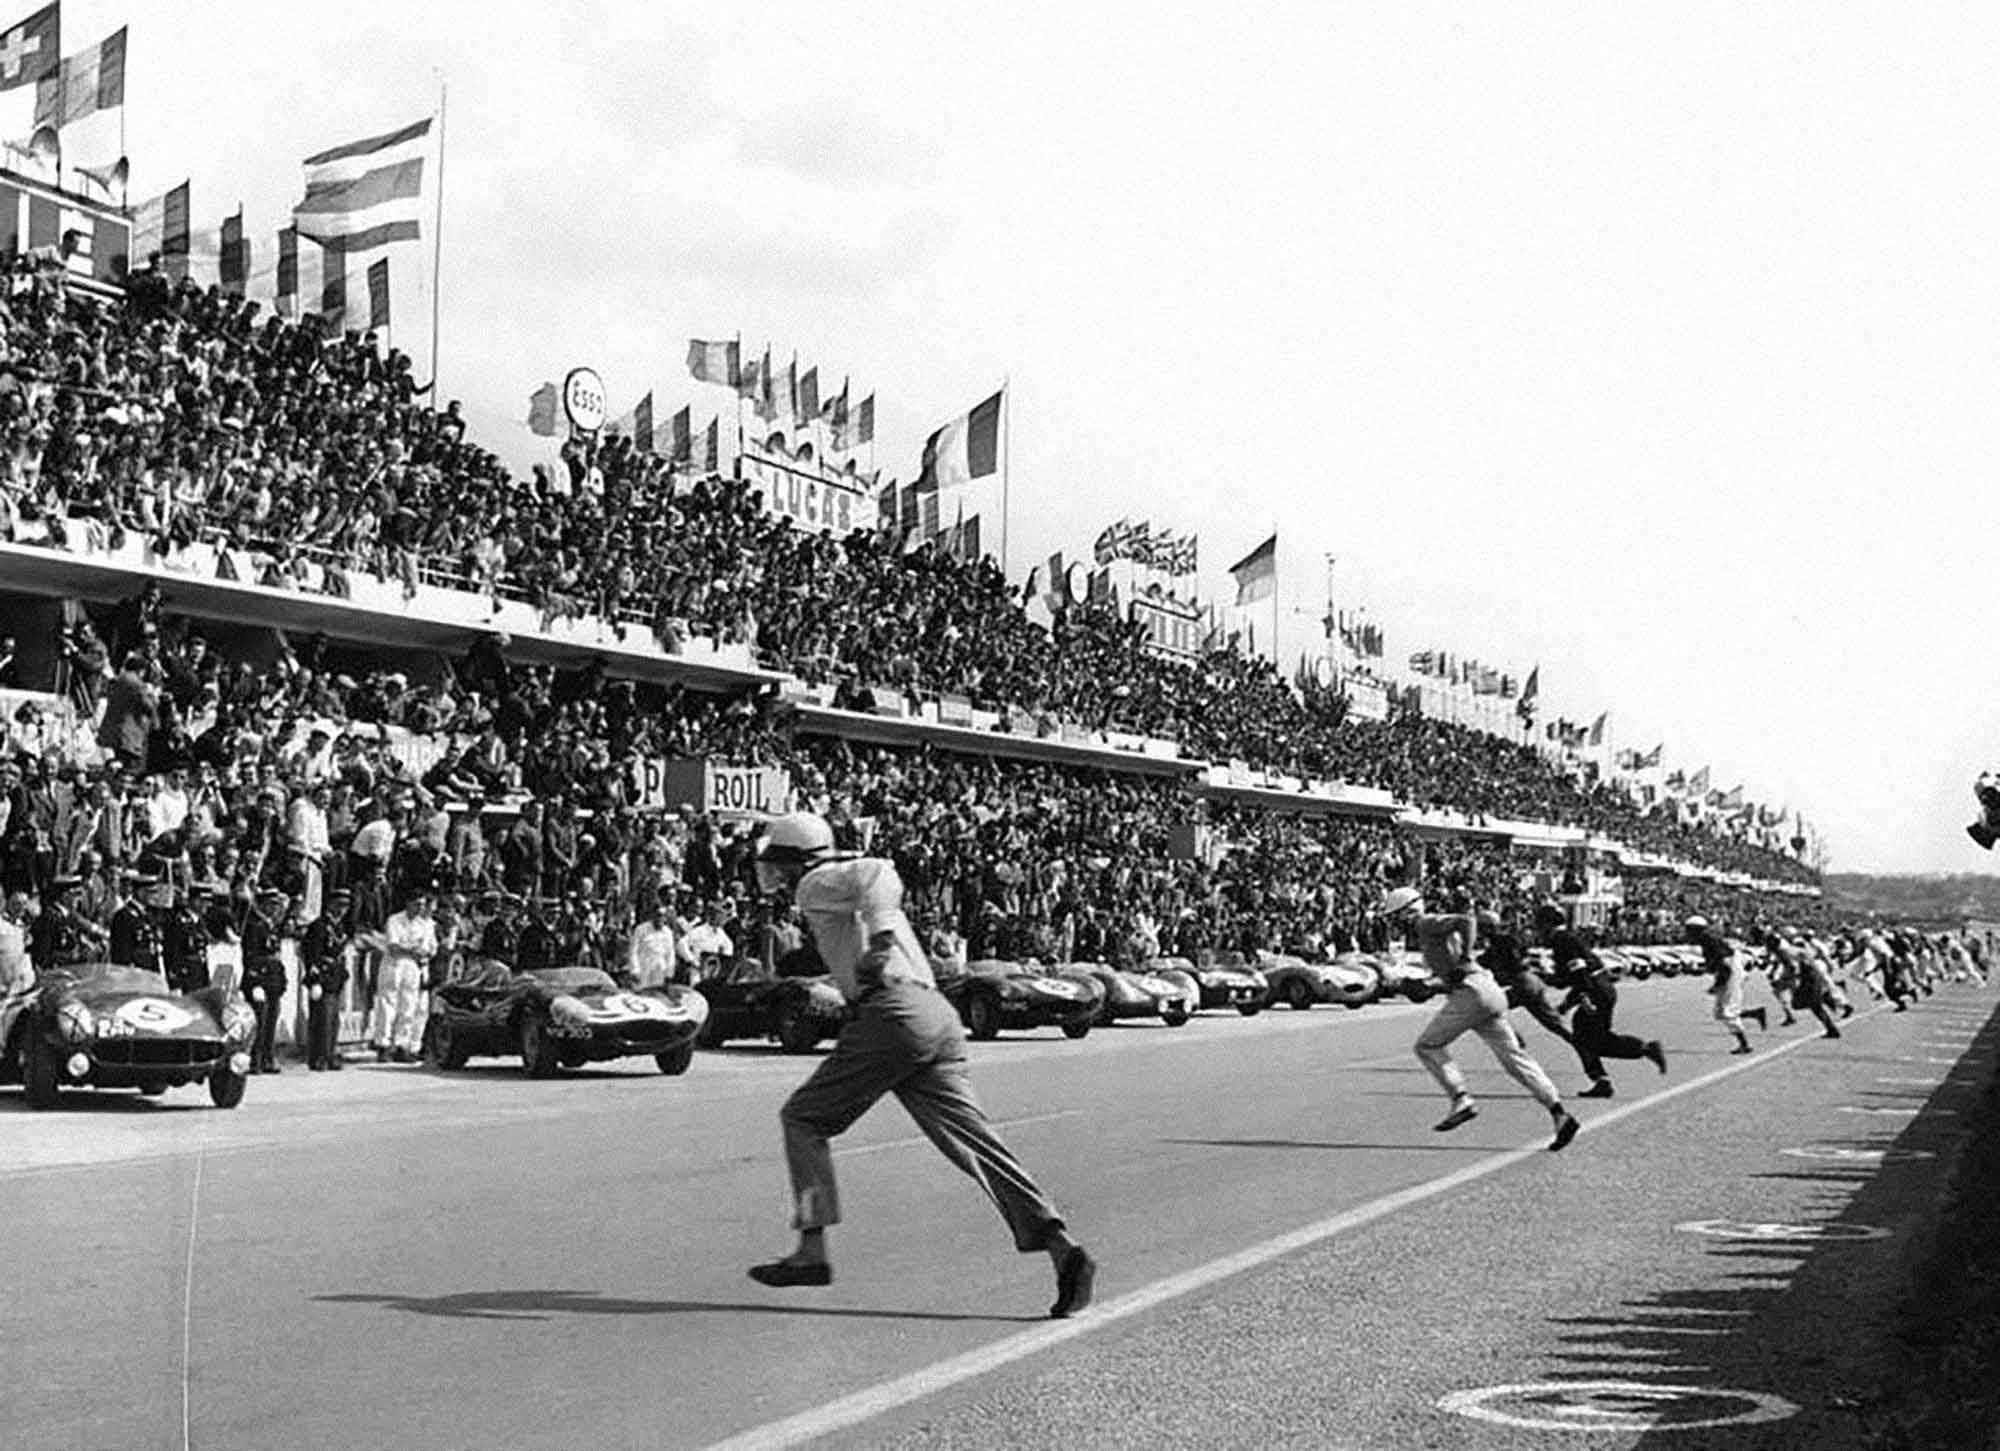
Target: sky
(1655, 345)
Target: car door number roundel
(153, 1015)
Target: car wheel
(441, 1046)
(1298, 994)
(797, 1033)
(982, 1016)
(1176, 1018)
(1418, 992)
(1249, 1010)
(676, 1060)
(1076, 1030)
(40, 1074)
(538, 1051)
(225, 1089)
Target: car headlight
(75, 1023)
(239, 1021)
(568, 1012)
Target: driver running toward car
(900, 1037)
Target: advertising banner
(712, 787)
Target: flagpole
(1276, 654)
(437, 248)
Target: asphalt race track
(1291, 1257)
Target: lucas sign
(711, 787)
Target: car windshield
(574, 979)
(112, 977)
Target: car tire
(225, 1089)
(538, 1050)
(40, 1074)
(1249, 1010)
(1298, 994)
(982, 1017)
(677, 1059)
(1418, 992)
(797, 1033)
(1175, 1019)
(1074, 1031)
(441, 1048)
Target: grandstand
(220, 530)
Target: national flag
(160, 231)
(1652, 758)
(1139, 543)
(716, 362)
(808, 399)
(864, 421)
(789, 404)
(288, 264)
(712, 446)
(765, 404)
(91, 80)
(680, 436)
(378, 294)
(368, 192)
(642, 424)
(233, 267)
(1698, 782)
(1525, 706)
(835, 411)
(1111, 543)
(1597, 728)
(1732, 799)
(543, 406)
(965, 449)
(1423, 662)
(1256, 573)
(333, 279)
(31, 49)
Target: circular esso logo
(1776, 1233)
(583, 399)
(1842, 1155)
(154, 1015)
(1615, 1405)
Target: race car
(1350, 981)
(103, 1025)
(1134, 994)
(746, 1001)
(1404, 975)
(991, 994)
(1219, 980)
(560, 1017)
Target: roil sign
(713, 787)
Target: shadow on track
(546, 1304)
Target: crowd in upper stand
(185, 415)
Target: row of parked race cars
(108, 1026)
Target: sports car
(1134, 994)
(561, 1017)
(991, 994)
(1219, 980)
(102, 1025)
(1404, 975)
(1350, 980)
(746, 1001)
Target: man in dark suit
(58, 934)
(323, 975)
(137, 939)
(264, 974)
(187, 939)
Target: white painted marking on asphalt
(1910, 1082)
(880, 1399)
(187, 1304)
(1780, 1233)
(1841, 1154)
(1903, 1112)
(1038, 1118)
(1564, 1405)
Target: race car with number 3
(561, 1017)
(103, 1025)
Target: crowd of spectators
(184, 416)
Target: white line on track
(1011, 1123)
(889, 1395)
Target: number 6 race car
(561, 1017)
(107, 1026)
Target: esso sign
(583, 399)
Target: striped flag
(378, 294)
(711, 448)
(160, 231)
(31, 49)
(89, 81)
(965, 449)
(680, 440)
(864, 421)
(808, 397)
(642, 424)
(367, 193)
(1257, 573)
(543, 404)
(711, 362)
(233, 267)
(288, 269)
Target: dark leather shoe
(1600, 1089)
(1076, 1276)
(784, 1274)
(1566, 1129)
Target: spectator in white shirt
(409, 942)
(705, 947)
(308, 846)
(650, 959)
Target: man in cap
(187, 938)
(1725, 980)
(323, 975)
(264, 976)
(58, 934)
(1578, 969)
(1473, 1002)
(137, 938)
(901, 1037)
